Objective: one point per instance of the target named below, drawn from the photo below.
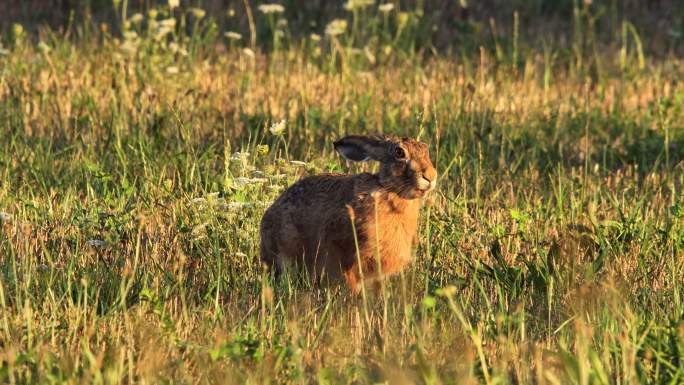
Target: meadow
(138, 155)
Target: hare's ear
(361, 148)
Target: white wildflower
(161, 33)
(358, 4)
(164, 27)
(168, 23)
(239, 156)
(172, 70)
(96, 243)
(297, 163)
(271, 8)
(136, 18)
(129, 47)
(211, 201)
(130, 35)
(235, 206)
(199, 231)
(241, 181)
(278, 128)
(248, 52)
(174, 3)
(336, 27)
(232, 35)
(386, 8)
(5, 217)
(174, 47)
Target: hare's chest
(392, 236)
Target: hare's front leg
(353, 280)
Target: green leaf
(428, 302)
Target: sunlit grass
(134, 171)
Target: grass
(134, 171)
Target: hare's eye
(399, 153)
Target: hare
(352, 227)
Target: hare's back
(297, 219)
(318, 192)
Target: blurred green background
(444, 24)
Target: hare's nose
(428, 179)
(424, 183)
(427, 184)
(430, 175)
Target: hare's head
(405, 165)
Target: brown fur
(310, 225)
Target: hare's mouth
(415, 187)
(421, 192)
(425, 185)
